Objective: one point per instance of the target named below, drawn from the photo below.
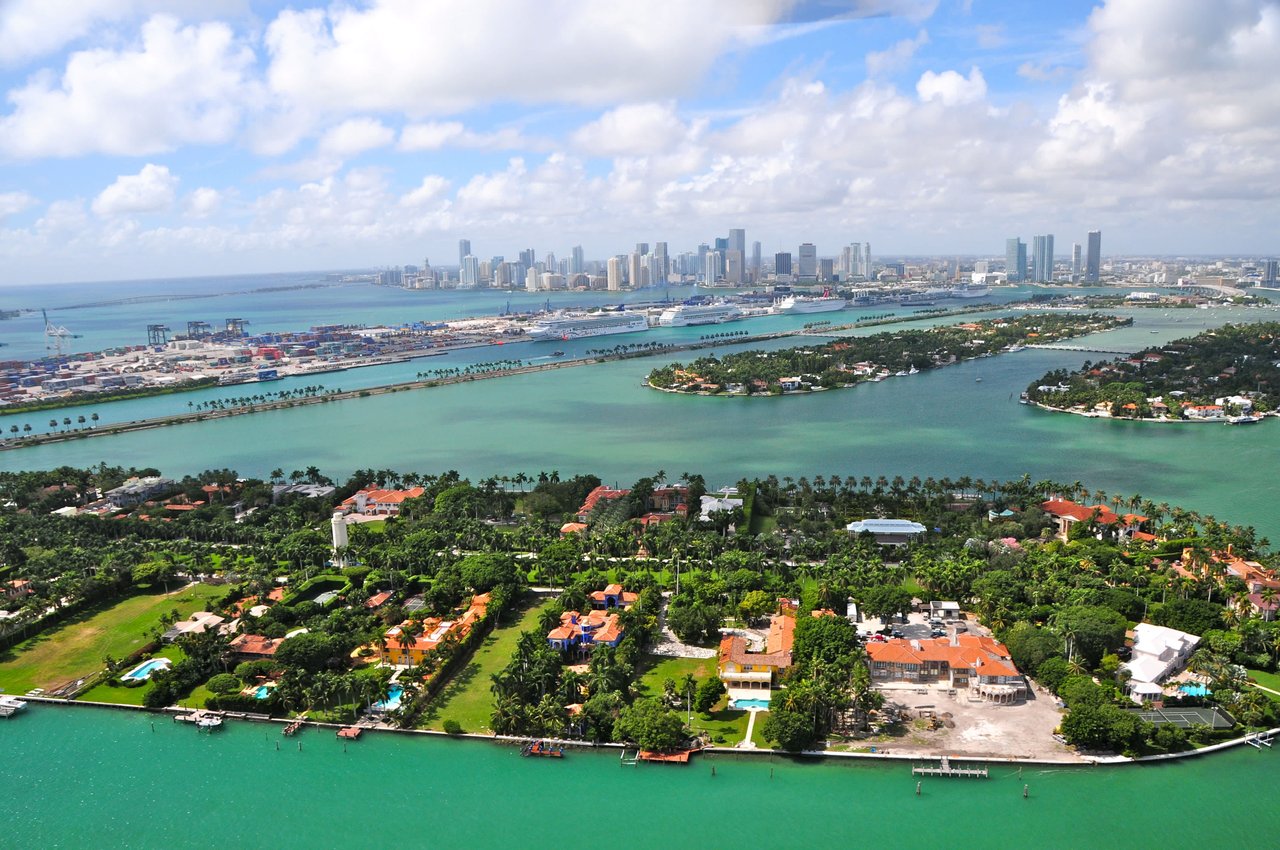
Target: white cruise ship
(811, 304)
(579, 325)
(684, 315)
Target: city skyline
(144, 139)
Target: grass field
(76, 648)
(723, 723)
(467, 698)
(1267, 680)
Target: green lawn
(723, 723)
(76, 648)
(1267, 680)
(467, 698)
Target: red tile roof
(983, 656)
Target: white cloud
(150, 190)
(897, 56)
(950, 87)
(180, 85)
(435, 135)
(12, 203)
(990, 36)
(431, 189)
(633, 130)
(203, 202)
(355, 136)
(427, 58)
(1041, 72)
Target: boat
(557, 354)
(977, 380)
(208, 722)
(811, 304)
(10, 706)
(545, 749)
(970, 290)
(579, 325)
(688, 315)
(1244, 420)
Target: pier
(945, 769)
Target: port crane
(55, 336)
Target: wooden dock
(945, 769)
(678, 757)
(351, 733)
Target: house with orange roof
(581, 633)
(752, 675)
(252, 647)
(961, 661)
(594, 498)
(410, 648)
(18, 587)
(1102, 521)
(377, 502)
(613, 596)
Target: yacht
(685, 315)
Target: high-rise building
(464, 248)
(642, 248)
(807, 261)
(1015, 260)
(576, 263)
(755, 261)
(738, 242)
(711, 271)
(703, 250)
(469, 272)
(528, 257)
(1042, 258)
(1093, 257)
(866, 260)
(1075, 261)
(826, 269)
(633, 270)
(782, 264)
(532, 280)
(733, 272)
(614, 275)
(662, 263)
(722, 248)
(1269, 272)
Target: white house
(1158, 652)
(888, 532)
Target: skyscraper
(576, 263)
(633, 270)
(807, 262)
(1269, 272)
(738, 241)
(782, 264)
(711, 271)
(733, 266)
(755, 261)
(1075, 261)
(469, 272)
(722, 248)
(866, 260)
(1042, 258)
(1093, 257)
(614, 274)
(642, 248)
(464, 248)
(662, 264)
(1015, 260)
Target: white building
(1158, 652)
(888, 532)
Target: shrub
(452, 727)
(223, 684)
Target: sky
(143, 139)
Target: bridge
(1082, 348)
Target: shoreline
(812, 756)
(1088, 414)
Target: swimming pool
(749, 704)
(261, 692)
(144, 670)
(392, 702)
(1194, 690)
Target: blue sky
(141, 138)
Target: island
(847, 361)
(1227, 374)
(838, 614)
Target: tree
(650, 725)
(484, 572)
(709, 692)
(1091, 631)
(224, 684)
(1030, 646)
(755, 604)
(885, 601)
(793, 730)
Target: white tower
(339, 524)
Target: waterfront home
(18, 587)
(613, 596)
(711, 504)
(254, 647)
(1158, 652)
(409, 646)
(198, 623)
(1209, 412)
(1101, 520)
(135, 491)
(581, 632)
(960, 661)
(887, 532)
(375, 502)
(1262, 587)
(601, 493)
(752, 675)
(572, 528)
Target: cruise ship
(811, 304)
(684, 315)
(579, 325)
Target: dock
(350, 733)
(678, 757)
(945, 769)
(293, 727)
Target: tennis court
(1187, 716)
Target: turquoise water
(261, 692)
(392, 702)
(144, 670)
(1194, 690)
(82, 777)
(744, 704)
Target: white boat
(811, 304)
(1243, 420)
(209, 722)
(686, 315)
(579, 325)
(969, 290)
(10, 706)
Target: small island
(1223, 375)
(847, 361)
